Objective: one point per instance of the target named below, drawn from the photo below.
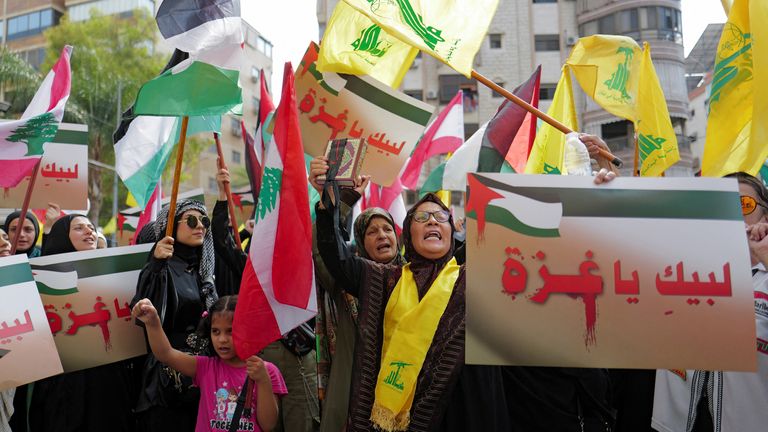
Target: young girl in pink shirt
(220, 378)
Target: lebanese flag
(254, 146)
(277, 292)
(21, 141)
(444, 135)
(150, 211)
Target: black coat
(173, 287)
(230, 261)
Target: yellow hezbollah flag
(655, 136)
(549, 146)
(450, 30)
(738, 103)
(354, 44)
(607, 67)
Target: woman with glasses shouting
(178, 279)
(408, 370)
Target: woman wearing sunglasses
(178, 279)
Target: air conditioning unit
(571, 40)
(431, 94)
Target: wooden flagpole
(176, 178)
(538, 113)
(228, 192)
(25, 208)
(636, 167)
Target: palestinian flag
(21, 141)
(277, 292)
(143, 144)
(206, 83)
(538, 211)
(195, 26)
(490, 201)
(486, 149)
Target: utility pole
(114, 183)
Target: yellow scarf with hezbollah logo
(409, 327)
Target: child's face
(221, 335)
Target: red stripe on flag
(292, 266)
(15, 170)
(62, 79)
(427, 147)
(254, 326)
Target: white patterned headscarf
(206, 266)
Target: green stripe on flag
(15, 274)
(99, 266)
(45, 289)
(71, 137)
(199, 90)
(632, 203)
(386, 101)
(502, 216)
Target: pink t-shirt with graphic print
(220, 385)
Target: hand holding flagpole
(228, 192)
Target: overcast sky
(291, 24)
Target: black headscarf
(202, 257)
(425, 270)
(57, 241)
(32, 251)
(147, 234)
(361, 225)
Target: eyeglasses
(749, 204)
(439, 215)
(192, 221)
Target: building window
(32, 23)
(544, 1)
(235, 156)
(255, 102)
(264, 46)
(495, 40)
(123, 8)
(547, 91)
(212, 185)
(495, 94)
(549, 42)
(607, 24)
(254, 74)
(235, 125)
(450, 85)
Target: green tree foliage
(19, 81)
(110, 55)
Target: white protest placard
(63, 174)
(27, 350)
(638, 273)
(86, 296)
(350, 106)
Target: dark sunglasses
(439, 215)
(192, 221)
(749, 204)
